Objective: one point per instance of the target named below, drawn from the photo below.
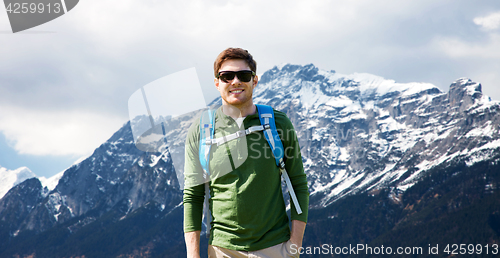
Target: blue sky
(11, 159)
(64, 85)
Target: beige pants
(283, 250)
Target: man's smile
(236, 91)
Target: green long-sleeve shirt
(246, 204)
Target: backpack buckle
(267, 127)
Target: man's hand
(298, 228)
(192, 244)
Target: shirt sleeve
(193, 194)
(294, 165)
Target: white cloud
(460, 48)
(102, 51)
(60, 132)
(479, 60)
(489, 22)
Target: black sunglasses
(243, 76)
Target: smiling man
(246, 205)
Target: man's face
(236, 92)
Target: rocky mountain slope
(360, 136)
(361, 132)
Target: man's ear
(216, 82)
(255, 80)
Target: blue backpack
(267, 126)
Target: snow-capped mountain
(117, 173)
(10, 178)
(358, 133)
(361, 132)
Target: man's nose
(236, 80)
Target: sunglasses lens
(227, 76)
(243, 76)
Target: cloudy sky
(64, 85)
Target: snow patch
(11, 178)
(52, 181)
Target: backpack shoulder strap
(207, 129)
(266, 116)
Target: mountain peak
(466, 84)
(464, 92)
(306, 72)
(11, 178)
(307, 81)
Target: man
(246, 204)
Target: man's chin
(235, 102)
